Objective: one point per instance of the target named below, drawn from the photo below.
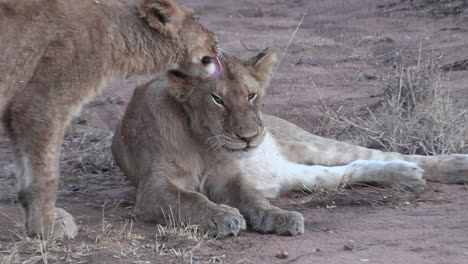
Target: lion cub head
(226, 112)
(180, 23)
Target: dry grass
(433, 8)
(177, 228)
(417, 116)
(24, 249)
(118, 240)
(87, 155)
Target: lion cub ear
(263, 64)
(180, 85)
(162, 15)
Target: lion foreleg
(260, 214)
(37, 137)
(161, 201)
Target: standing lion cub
(56, 54)
(205, 152)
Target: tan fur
(200, 160)
(56, 55)
(184, 169)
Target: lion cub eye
(252, 96)
(217, 100)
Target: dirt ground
(341, 53)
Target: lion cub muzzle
(245, 130)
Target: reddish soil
(342, 51)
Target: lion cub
(205, 152)
(56, 55)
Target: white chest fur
(269, 171)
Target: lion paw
(289, 223)
(225, 221)
(286, 223)
(62, 225)
(404, 175)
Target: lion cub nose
(248, 135)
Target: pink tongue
(217, 72)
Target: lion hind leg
(396, 174)
(445, 168)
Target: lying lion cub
(205, 152)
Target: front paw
(224, 221)
(59, 224)
(289, 223)
(286, 223)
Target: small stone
(320, 251)
(283, 254)
(350, 245)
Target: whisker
(208, 139)
(214, 142)
(219, 143)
